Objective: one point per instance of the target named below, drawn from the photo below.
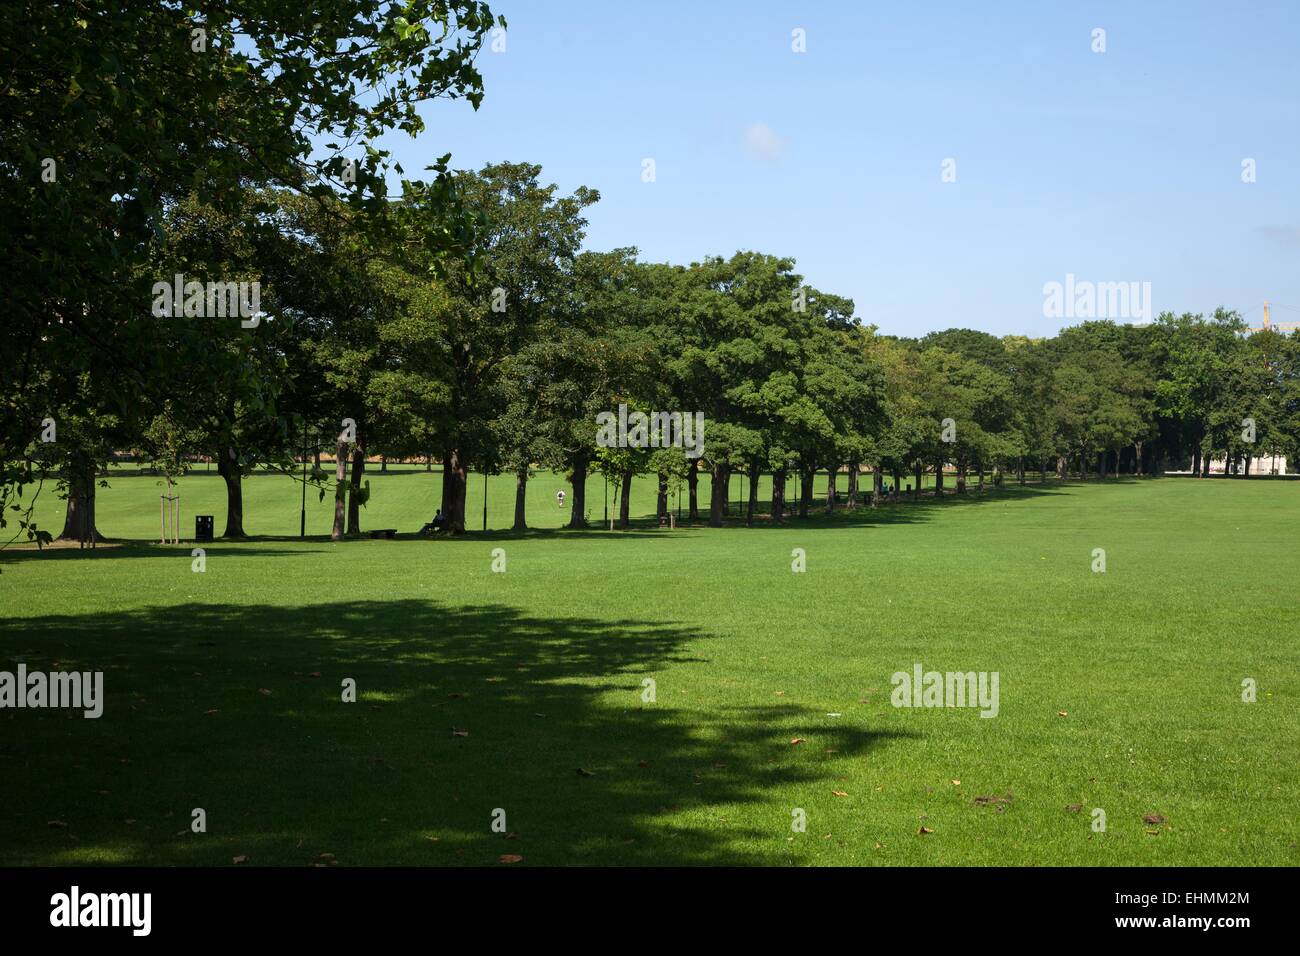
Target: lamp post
(302, 524)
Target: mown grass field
(543, 667)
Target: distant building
(1264, 465)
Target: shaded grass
(1146, 660)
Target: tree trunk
(693, 482)
(316, 458)
(661, 499)
(877, 483)
(920, 473)
(853, 484)
(1101, 465)
(831, 474)
(79, 521)
(1061, 466)
(624, 505)
(1020, 470)
(340, 488)
(752, 505)
(778, 495)
(354, 492)
(938, 479)
(455, 477)
(717, 495)
(961, 478)
(521, 499)
(228, 468)
(578, 511)
(805, 490)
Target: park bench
(384, 533)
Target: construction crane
(1276, 326)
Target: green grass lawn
(543, 667)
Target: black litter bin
(203, 527)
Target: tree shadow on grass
(461, 712)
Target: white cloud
(765, 143)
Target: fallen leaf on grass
(1154, 819)
(797, 740)
(838, 793)
(1075, 807)
(510, 858)
(239, 859)
(314, 674)
(956, 783)
(459, 733)
(923, 831)
(264, 692)
(1062, 713)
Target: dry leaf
(956, 783)
(923, 831)
(838, 793)
(264, 692)
(1062, 713)
(1154, 819)
(510, 858)
(1075, 807)
(314, 674)
(239, 859)
(459, 733)
(797, 740)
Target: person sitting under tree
(435, 525)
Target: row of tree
(461, 320)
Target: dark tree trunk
(805, 490)
(79, 521)
(753, 494)
(831, 474)
(1020, 470)
(428, 463)
(693, 482)
(578, 512)
(1061, 466)
(354, 490)
(877, 483)
(717, 495)
(521, 499)
(228, 469)
(661, 498)
(1101, 465)
(853, 484)
(961, 478)
(316, 458)
(624, 504)
(455, 477)
(938, 479)
(778, 495)
(340, 489)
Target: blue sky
(1115, 166)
